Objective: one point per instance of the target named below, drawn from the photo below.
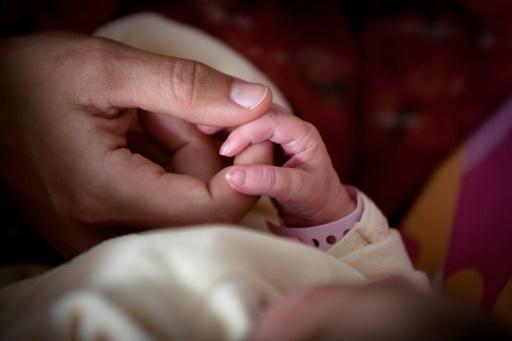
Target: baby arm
(306, 188)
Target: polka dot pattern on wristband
(324, 236)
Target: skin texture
(306, 188)
(84, 153)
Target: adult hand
(65, 119)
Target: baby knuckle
(311, 130)
(297, 184)
(268, 178)
(310, 139)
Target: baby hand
(306, 188)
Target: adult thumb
(125, 77)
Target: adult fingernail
(236, 177)
(247, 95)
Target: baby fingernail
(247, 95)
(236, 177)
(225, 148)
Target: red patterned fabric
(427, 85)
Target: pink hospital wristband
(324, 236)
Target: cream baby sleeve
(375, 250)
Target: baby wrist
(326, 235)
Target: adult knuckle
(97, 47)
(91, 57)
(186, 80)
(89, 63)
